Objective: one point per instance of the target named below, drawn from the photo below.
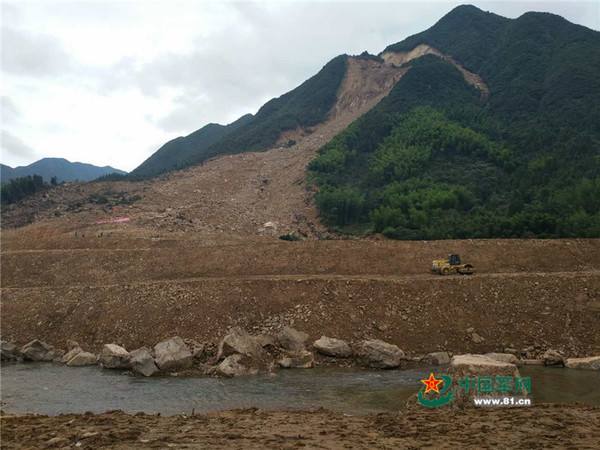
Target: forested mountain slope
(175, 153)
(300, 109)
(438, 159)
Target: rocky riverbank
(548, 426)
(240, 353)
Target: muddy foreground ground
(542, 426)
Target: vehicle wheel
(445, 271)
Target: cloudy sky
(108, 83)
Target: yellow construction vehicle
(451, 265)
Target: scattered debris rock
(553, 358)
(142, 362)
(531, 362)
(236, 365)
(291, 339)
(590, 363)
(173, 354)
(71, 354)
(333, 347)
(8, 351)
(300, 360)
(266, 340)
(37, 350)
(83, 359)
(379, 354)
(474, 366)
(437, 358)
(239, 341)
(114, 357)
(504, 357)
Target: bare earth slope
(109, 286)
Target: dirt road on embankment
(136, 287)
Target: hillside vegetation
(434, 161)
(303, 107)
(174, 154)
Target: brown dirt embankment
(548, 426)
(137, 290)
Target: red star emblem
(432, 384)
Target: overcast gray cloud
(109, 83)
(15, 147)
(32, 54)
(10, 113)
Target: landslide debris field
(232, 193)
(538, 426)
(130, 286)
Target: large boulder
(504, 357)
(591, 363)
(37, 350)
(292, 340)
(299, 360)
(8, 351)
(437, 358)
(236, 365)
(83, 359)
(238, 341)
(173, 354)
(266, 340)
(71, 354)
(553, 358)
(473, 367)
(333, 347)
(114, 357)
(379, 354)
(142, 362)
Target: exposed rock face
(379, 354)
(8, 351)
(71, 354)
(291, 339)
(504, 357)
(142, 362)
(437, 358)
(236, 365)
(37, 350)
(238, 341)
(591, 363)
(300, 360)
(474, 366)
(114, 357)
(173, 354)
(553, 358)
(333, 347)
(83, 359)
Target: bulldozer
(451, 265)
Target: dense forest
(19, 188)
(434, 160)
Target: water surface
(52, 389)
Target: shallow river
(54, 389)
